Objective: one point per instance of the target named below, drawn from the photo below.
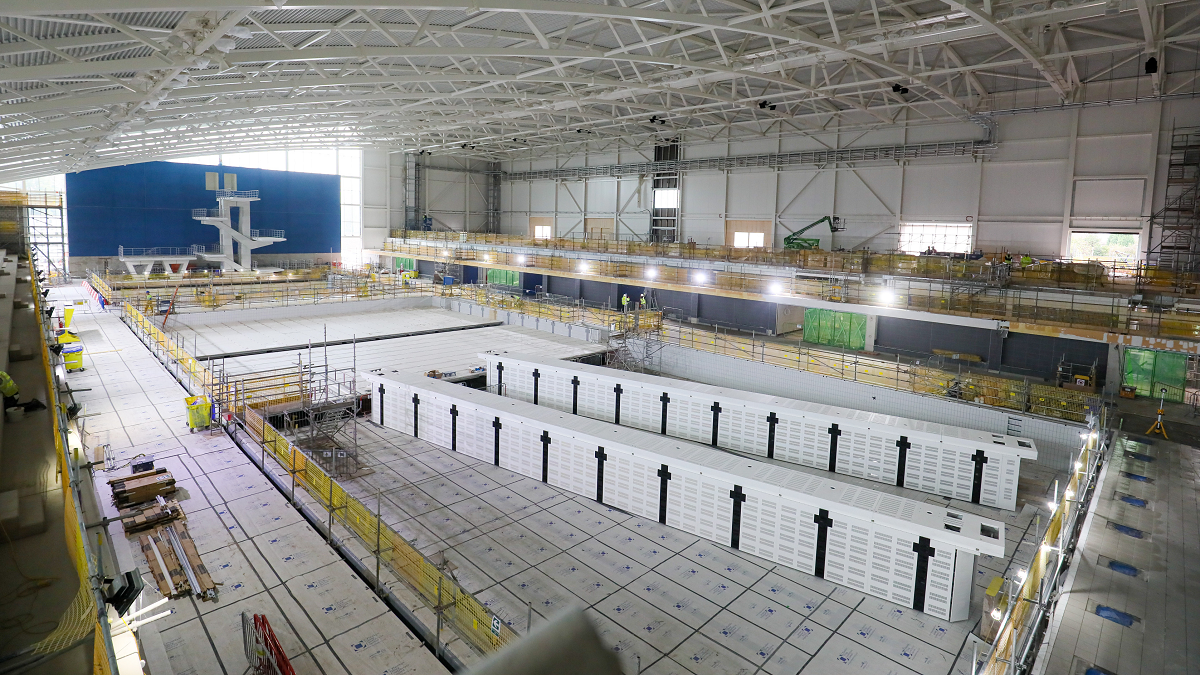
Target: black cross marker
(536, 376)
(545, 453)
(772, 420)
(834, 432)
(664, 475)
(454, 428)
(924, 552)
(716, 411)
(380, 404)
(601, 456)
(416, 417)
(665, 400)
(617, 409)
(824, 522)
(902, 458)
(977, 482)
(738, 497)
(497, 426)
(500, 378)
(575, 395)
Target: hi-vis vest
(7, 386)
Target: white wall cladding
(924, 456)
(908, 552)
(1022, 196)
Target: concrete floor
(1149, 485)
(664, 599)
(266, 558)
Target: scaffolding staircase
(1177, 224)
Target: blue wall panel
(150, 204)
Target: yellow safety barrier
(85, 615)
(1015, 630)
(463, 612)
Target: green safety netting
(406, 264)
(836, 329)
(504, 277)
(1150, 371)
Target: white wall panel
(1023, 189)
(1106, 198)
(941, 191)
(751, 196)
(898, 549)
(922, 456)
(1113, 155)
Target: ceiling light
(851, 43)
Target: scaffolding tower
(1175, 228)
(38, 217)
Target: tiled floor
(452, 352)
(1151, 486)
(666, 600)
(266, 558)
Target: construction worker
(643, 301)
(624, 302)
(12, 393)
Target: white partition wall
(908, 552)
(950, 461)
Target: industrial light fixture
(655, 120)
(776, 288)
(651, 273)
(520, 260)
(766, 105)
(996, 614)
(899, 89)
(700, 277)
(1151, 65)
(887, 296)
(584, 268)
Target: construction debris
(140, 519)
(141, 487)
(175, 564)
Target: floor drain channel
(1122, 568)
(1138, 477)
(1127, 530)
(1115, 615)
(1139, 456)
(1132, 501)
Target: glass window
(1106, 246)
(748, 239)
(275, 161)
(351, 220)
(918, 238)
(210, 160)
(666, 198)
(542, 232)
(313, 161)
(351, 252)
(350, 162)
(351, 190)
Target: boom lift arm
(796, 242)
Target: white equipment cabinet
(954, 462)
(914, 554)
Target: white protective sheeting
(905, 551)
(965, 464)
